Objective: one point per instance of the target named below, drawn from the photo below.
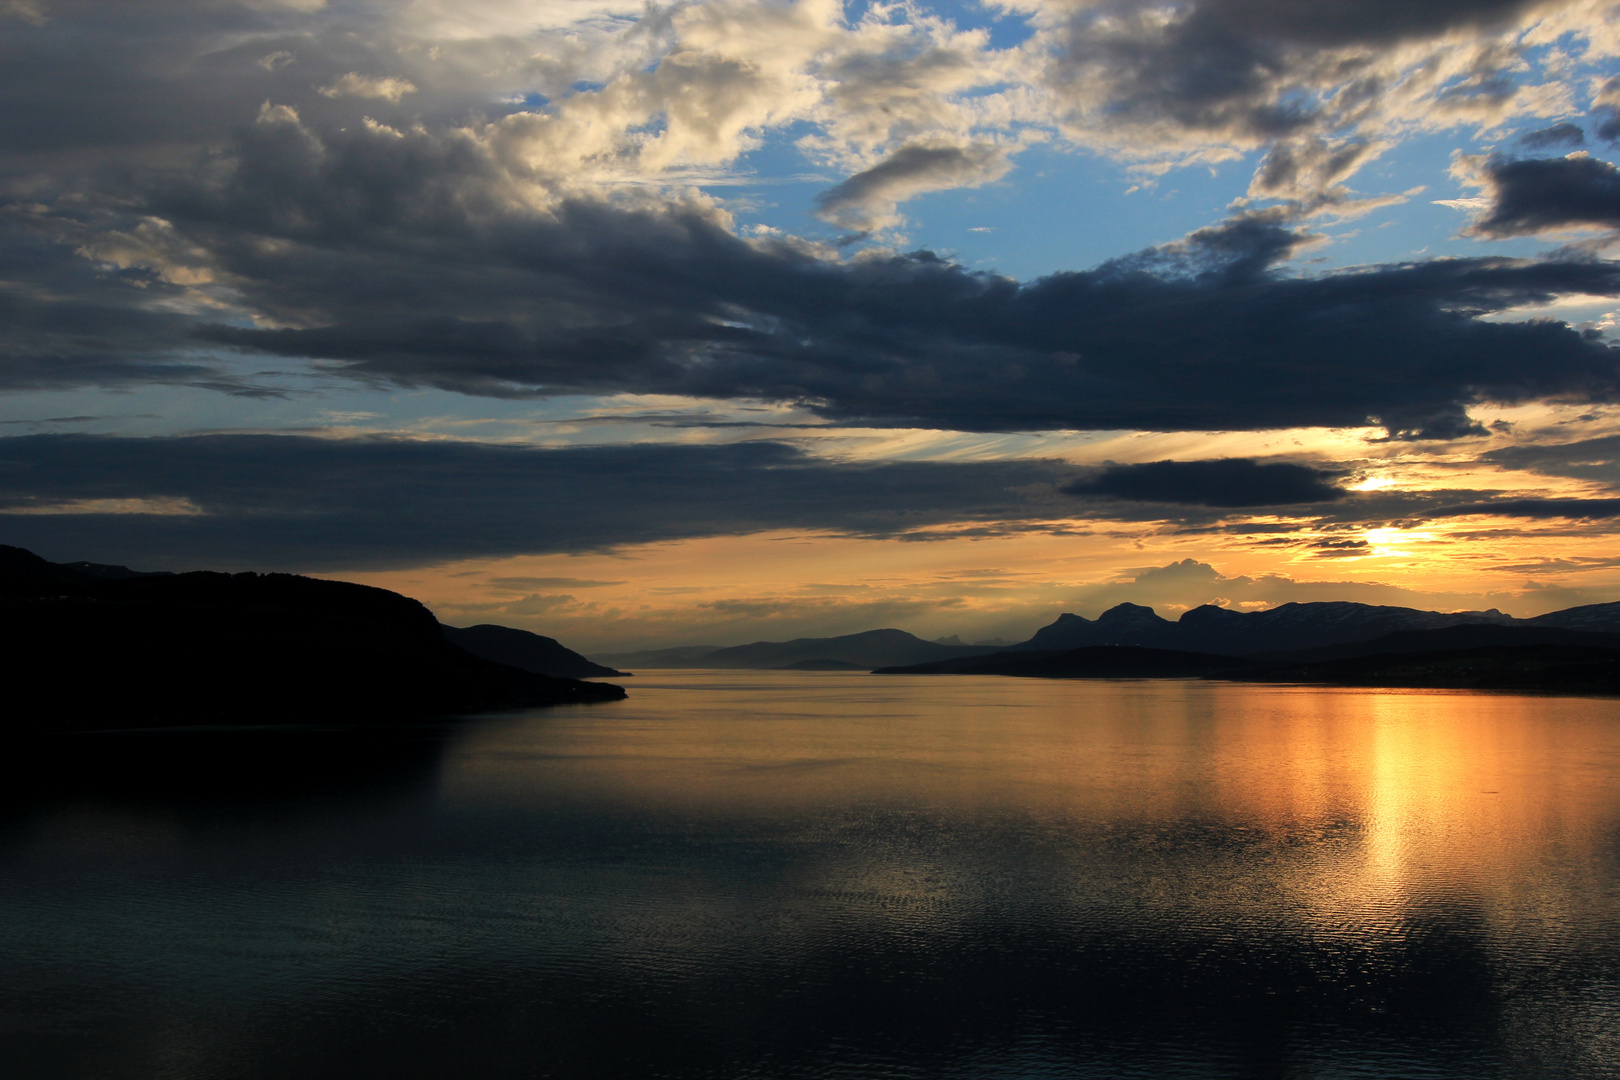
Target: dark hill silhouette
(84, 649)
(1214, 629)
(1603, 618)
(526, 652)
(873, 648)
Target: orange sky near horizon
(1005, 580)
(773, 586)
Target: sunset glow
(757, 318)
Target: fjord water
(768, 874)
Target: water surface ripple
(739, 874)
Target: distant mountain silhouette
(1214, 629)
(1205, 630)
(873, 648)
(1541, 659)
(526, 652)
(93, 648)
(1604, 618)
(1089, 662)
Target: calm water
(829, 875)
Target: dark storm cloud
(1548, 194)
(1201, 336)
(394, 256)
(294, 502)
(1352, 22)
(308, 503)
(1227, 482)
(1246, 69)
(431, 256)
(66, 320)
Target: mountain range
(1205, 630)
(1287, 628)
(867, 650)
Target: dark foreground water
(828, 875)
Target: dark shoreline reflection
(807, 875)
(216, 766)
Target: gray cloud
(1585, 509)
(294, 502)
(399, 257)
(1226, 482)
(434, 254)
(598, 300)
(1588, 459)
(1253, 71)
(1565, 134)
(1548, 194)
(868, 199)
(154, 82)
(1349, 22)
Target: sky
(642, 324)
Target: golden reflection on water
(1362, 802)
(752, 874)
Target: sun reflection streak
(1338, 809)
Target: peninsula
(95, 646)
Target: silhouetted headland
(527, 651)
(90, 646)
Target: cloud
(1587, 509)
(354, 85)
(868, 200)
(1542, 195)
(29, 11)
(1226, 482)
(413, 257)
(596, 298)
(296, 502)
(1210, 78)
(1565, 134)
(1595, 460)
(555, 247)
